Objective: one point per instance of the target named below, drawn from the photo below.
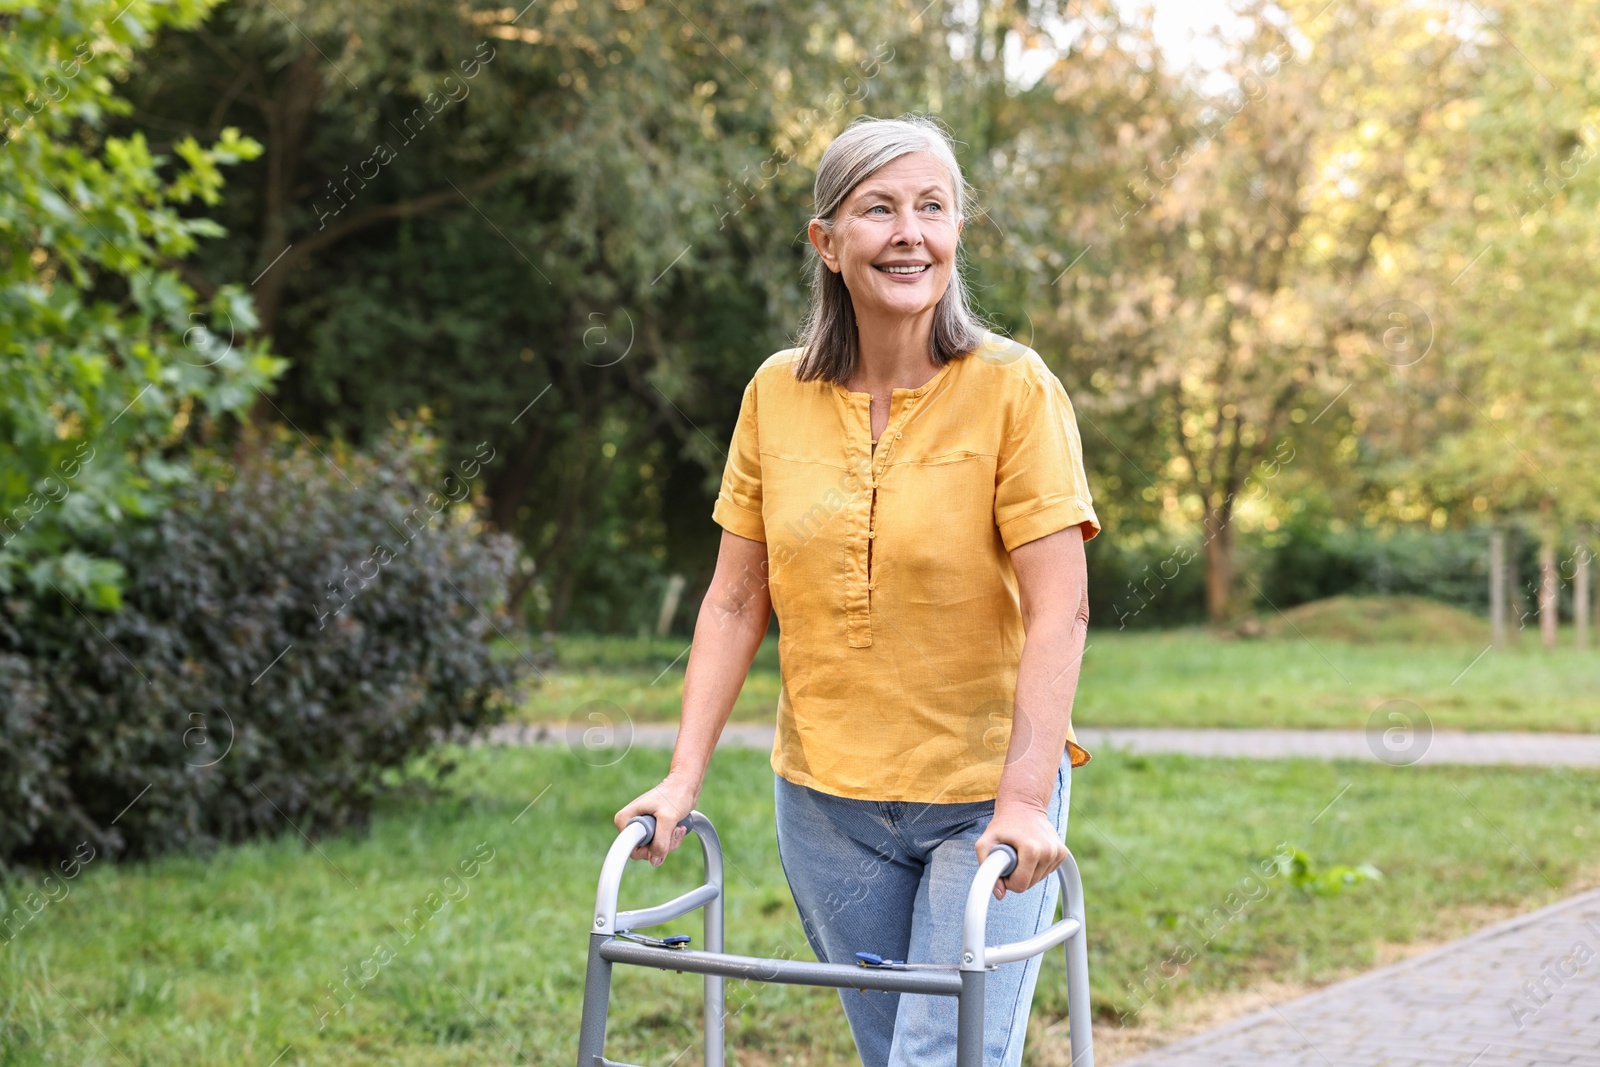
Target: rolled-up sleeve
(738, 506)
(1040, 484)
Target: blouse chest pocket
(937, 510)
(953, 482)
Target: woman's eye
(876, 207)
(933, 204)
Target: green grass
(226, 960)
(1185, 677)
(1193, 678)
(641, 678)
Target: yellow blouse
(900, 628)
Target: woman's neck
(894, 352)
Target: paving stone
(1395, 1017)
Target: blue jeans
(892, 877)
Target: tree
(1520, 423)
(108, 361)
(1245, 273)
(580, 260)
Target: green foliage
(1143, 579)
(580, 225)
(287, 634)
(606, 220)
(1294, 865)
(1310, 561)
(1514, 408)
(107, 358)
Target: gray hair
(831, 345)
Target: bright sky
(1180, 26)
(1178, 22)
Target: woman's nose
(907, 229)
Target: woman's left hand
(1029, 831)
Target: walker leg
(596, 1005)
(716, 1016)
(969, 1019)
(1082, 1033)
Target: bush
(1152, 578)
(1145, 580)
(286, 638)
(1313, 562)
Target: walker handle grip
(1009, 852)
(649, 822)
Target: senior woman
(905, 490)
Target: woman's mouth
(903, 269)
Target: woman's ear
(822, 241)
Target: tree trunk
(289, 118)
(1219, 566)
(1549, 580)
(1549, 594)
(669, 605)
(1515, 602)
(1497, 586)
(509, 487)
(561, 600)
(1580, 595)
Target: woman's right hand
(669, 802)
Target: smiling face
(894, 237)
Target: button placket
(892, 432)
(858, 454)
(872, 464)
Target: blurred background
(366, 377)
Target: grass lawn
(1185, 677)
(233, 959)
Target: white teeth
(904, 270)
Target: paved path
(1440, 747)
(1522, 992)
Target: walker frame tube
(966, 982)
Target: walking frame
(612, 940)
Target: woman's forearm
(726, 637)
(1047, 680)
